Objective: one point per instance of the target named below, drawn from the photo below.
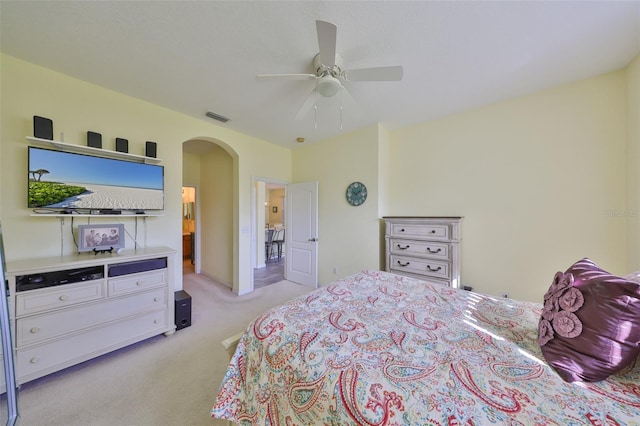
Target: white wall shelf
(63, 146)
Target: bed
(382, 349)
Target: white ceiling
(197, 56)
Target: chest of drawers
(424, 247)
(121, 299)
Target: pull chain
(315, 110)
(341, 110)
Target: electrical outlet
(335, 270)
(505, 295)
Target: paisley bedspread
(381, 349)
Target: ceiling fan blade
(393, 73)
(307, 105)
(327, 42)
(286, 77)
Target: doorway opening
(188, 229)
(270, 233)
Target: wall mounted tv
(66, 181)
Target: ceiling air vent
(217, 116)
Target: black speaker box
(94, 139)
(183, 309)
(122, 145)
(42, 127)
(151, 149)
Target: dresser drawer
(41, 327)
(432, 268)
(34, 301)
(426, 231)
(36, 361)
(137, 282)
(426, 249)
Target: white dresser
(424, 247)
(71, 309)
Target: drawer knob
(401, 229)
(434, 251)
(34, 360)
(403, 248)
(155, 299)
(34, 329)
(63, 297)
(138, 283)
(433, 231)
(403, 264)
(433, 269)
(155, 321)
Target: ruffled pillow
(590, 323)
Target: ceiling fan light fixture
(328, 86)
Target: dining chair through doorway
(278, 241)
(268, 244)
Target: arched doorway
(210, 167)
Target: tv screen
(65, 180)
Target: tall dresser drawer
(427, 249)
(424, 247)
(431, 268)
(436, 232)
(34, 301)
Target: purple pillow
(590, 324)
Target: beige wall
(75, 107)
(542, 180)
(348, 236)
(538, 179)
(217, 220)
(633, 169)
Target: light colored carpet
(161, 381)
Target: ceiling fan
(330, 74)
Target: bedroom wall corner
(348, 236)
(384, 167)
(633, 168)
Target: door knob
(313, 240)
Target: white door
(302, 233)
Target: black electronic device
(94, 140)
(122, 145)
(182, 309)
(151, 149)
(54, 278)
(126, 268)
(42, 127)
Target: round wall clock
(356, 193)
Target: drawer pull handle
(34, 329)
(34, 360)
(63, 297)
(434, 251)
(432, 269)
(403, 248)
(403, 264)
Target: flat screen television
(64, 180)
